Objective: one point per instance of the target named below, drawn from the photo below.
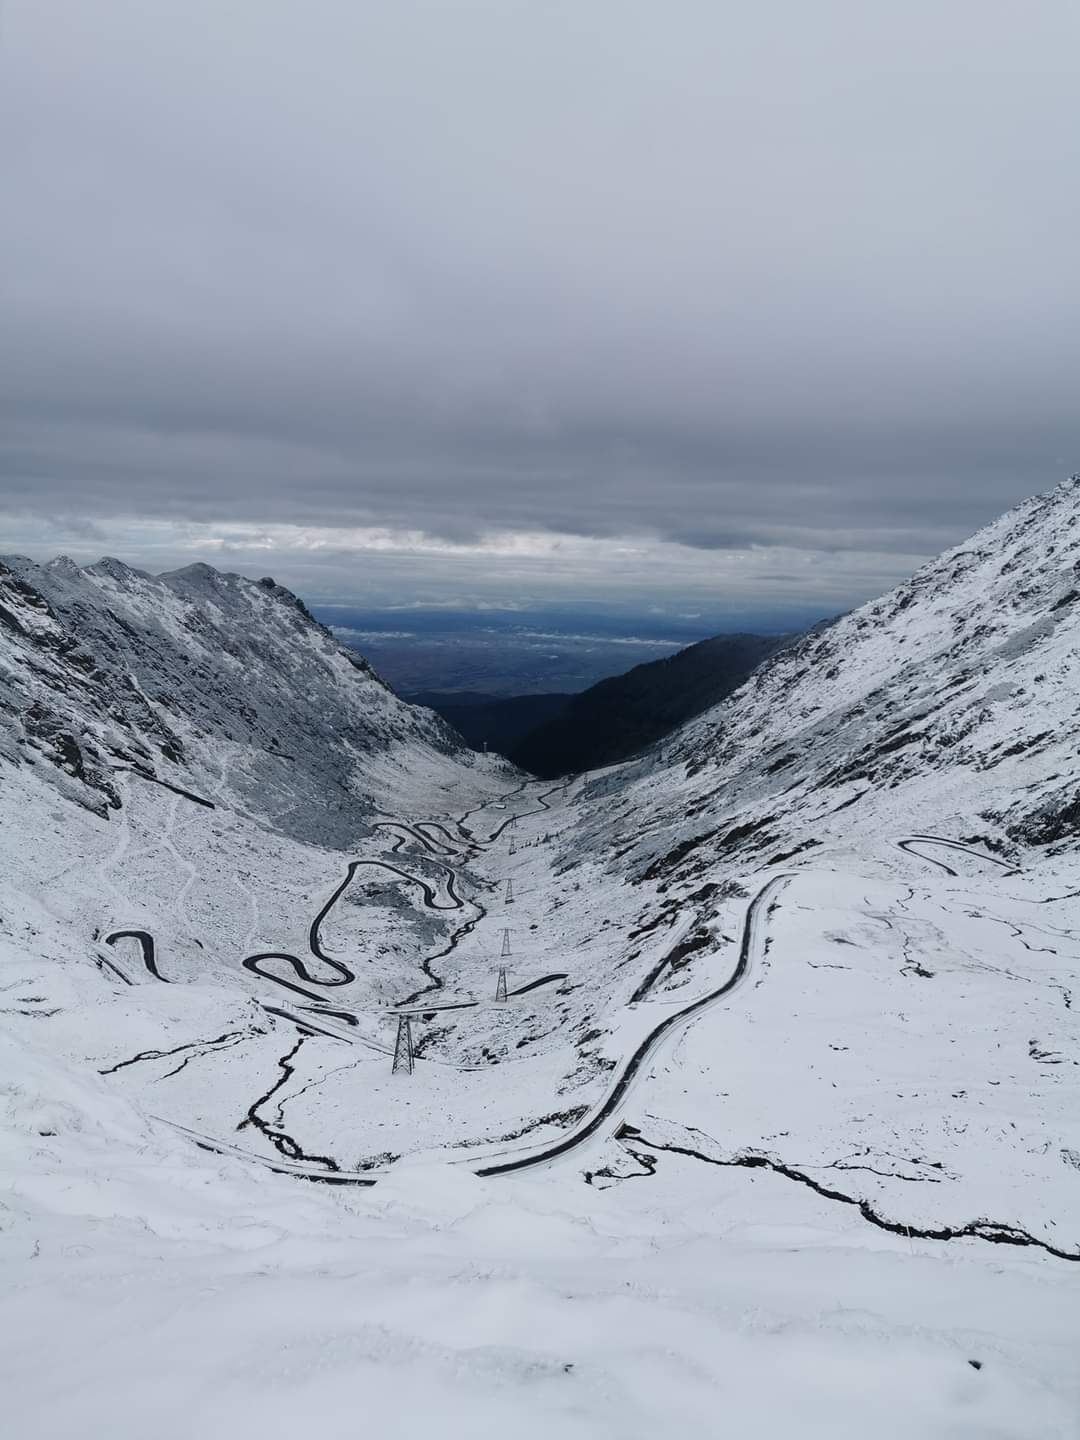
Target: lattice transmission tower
(403, 1051)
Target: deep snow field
(902, 1036)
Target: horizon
(606, 613)
(763, 589)
(699, 612)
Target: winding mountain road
(432, 836)
(343, 975)
(510, 819)
(311, 983)
(418, 833)
(607, 1111)
(604, 1120)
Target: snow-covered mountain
(951, 702)
(744, 1076)
(106, 668)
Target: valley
(777, 1019)
(307, 1087)
(539, 721)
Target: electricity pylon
(509, 892)
(403, 1051)
(500, 988)
(506, 942)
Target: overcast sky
(492, 300)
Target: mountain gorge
(791, 1000)
(550, 735)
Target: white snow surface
(864, 865)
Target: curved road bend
(523, 814)
(501, 800)
(906, 845)
(413, 832)
(481, 912)
(495, 800)
(343, 975)
(757, 907)
(450, 842)
(146, 945)
(430, 893)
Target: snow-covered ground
(151, 1289)
(786, 1140)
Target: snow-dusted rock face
(185, 675)
(952, 704)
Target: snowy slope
(778, 1127)
(106, 667)
(952, 700)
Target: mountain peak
(199, 572)
(63, 565)
(116, 570)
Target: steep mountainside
(618, 717)
(105, 669)
(738, 1084)
(951, 701)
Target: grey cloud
(718, 274)
(77, 525)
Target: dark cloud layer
(731, 276)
